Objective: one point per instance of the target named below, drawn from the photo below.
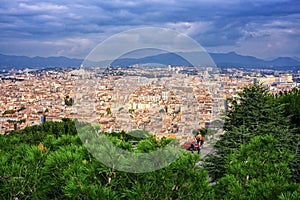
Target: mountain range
(230, 59)
(22, 62)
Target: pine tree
(56, 165)
(254, 112)
(291, 103)
(259, 170)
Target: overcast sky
(72, 28)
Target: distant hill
(221, 59)
(296, 58)
(234, 60)
(21, 62)
(282, 61)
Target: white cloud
(191, 28)
(217, 24)
(41, 7)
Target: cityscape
(160, 100)
(150, 99)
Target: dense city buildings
(169, 101)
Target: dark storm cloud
(72, 28)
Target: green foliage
(255, 112)
(146, 146)
(291, 104)
(18, 174)
(171, 182)
(9, 112)
(19, 121)
(68, 101)
(131, 110)
(22, 108)
(203, 132)
(257, 171)
(291, 101)
(49, 162)
(108, 111)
